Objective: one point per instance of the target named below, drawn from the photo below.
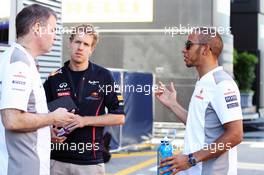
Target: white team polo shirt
(26, 153)
(215, 101)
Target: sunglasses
(189, 43)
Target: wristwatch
(192, 160)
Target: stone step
(249, 110)
(250, 116)
(255, 122)
(170, 129)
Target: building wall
(147, 51)
(247, 23)
(3, 47)
(50, 61)
(152, 50)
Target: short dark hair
(85, 29)
(210, 36)
(31, 14)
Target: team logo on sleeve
(19, 85)
(229, 92)
(120, 100)
(231, 98)
(19, 82)
(232, 105)
(20, 75)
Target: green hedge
(244, 70)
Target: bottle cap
(166, 139)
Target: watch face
(192, 160)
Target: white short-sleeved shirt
(26, 153)
(215, 101)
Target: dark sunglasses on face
(189, 43)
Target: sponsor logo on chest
(67, 93)
(63, 87)
(93, 82)
(200, 95)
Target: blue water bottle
(164, 150)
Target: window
(4, 21)
(107, 11)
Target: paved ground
(250, 159)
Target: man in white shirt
(214, 118)
(25, 125)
